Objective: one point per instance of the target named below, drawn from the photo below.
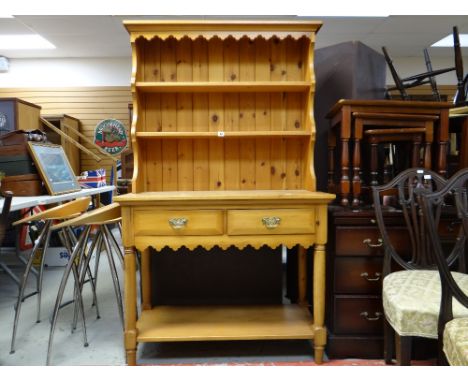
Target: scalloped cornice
(221, 29)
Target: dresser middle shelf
(223, 86)
(223, 134)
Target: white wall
(67, 72)
(76, 72)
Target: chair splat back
(456, 193)
(452, 319)
(404, 194)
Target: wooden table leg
(374, 162)
(130, 334)
(358, 127)
(442, 141)
(344, 181)
(320, 336)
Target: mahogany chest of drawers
(354, 282)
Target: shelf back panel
(171, 60)
(218, 164)
(170, 112)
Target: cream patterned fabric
(411, 301)
(456, 341)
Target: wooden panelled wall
(90, 105)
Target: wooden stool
(61, 212)
(100, 217)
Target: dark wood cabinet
(354, 281)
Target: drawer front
(270, 222)
(358, 275)
(352, 241)
(358, 315)
(173, 222)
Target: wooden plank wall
(89, 104)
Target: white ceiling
(104, 36)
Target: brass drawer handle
(370, 245)
(271, 222)
(366, 276)
(178, 223)
(377, 316)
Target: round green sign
(111, 136)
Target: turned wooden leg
(415, 161)
(442, 159)
(344, 182)
(427, 156)
(374, 163)
(320, 336)
(130, 334)
(357, 162)
(302, 275)
(403, 350)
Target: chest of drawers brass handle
(271, 222)
(369, 243)
(366, 276)
(178, 223)
(377, 316)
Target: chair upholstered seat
(411, 301)
(456, 341)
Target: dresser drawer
(352, 241)
(358, 275)
(358, 315)
(173, 222)
(270, 222)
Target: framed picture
(54, 168)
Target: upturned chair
(411, 296)
(61, 213)
(428, 77)
(101, 218)
(453, 315)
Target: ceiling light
(24, 41)
(448, 41)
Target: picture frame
(54, 168)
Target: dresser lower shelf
(224, 323)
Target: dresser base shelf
(224, 323)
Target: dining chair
(411, 286)
(453, 315)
